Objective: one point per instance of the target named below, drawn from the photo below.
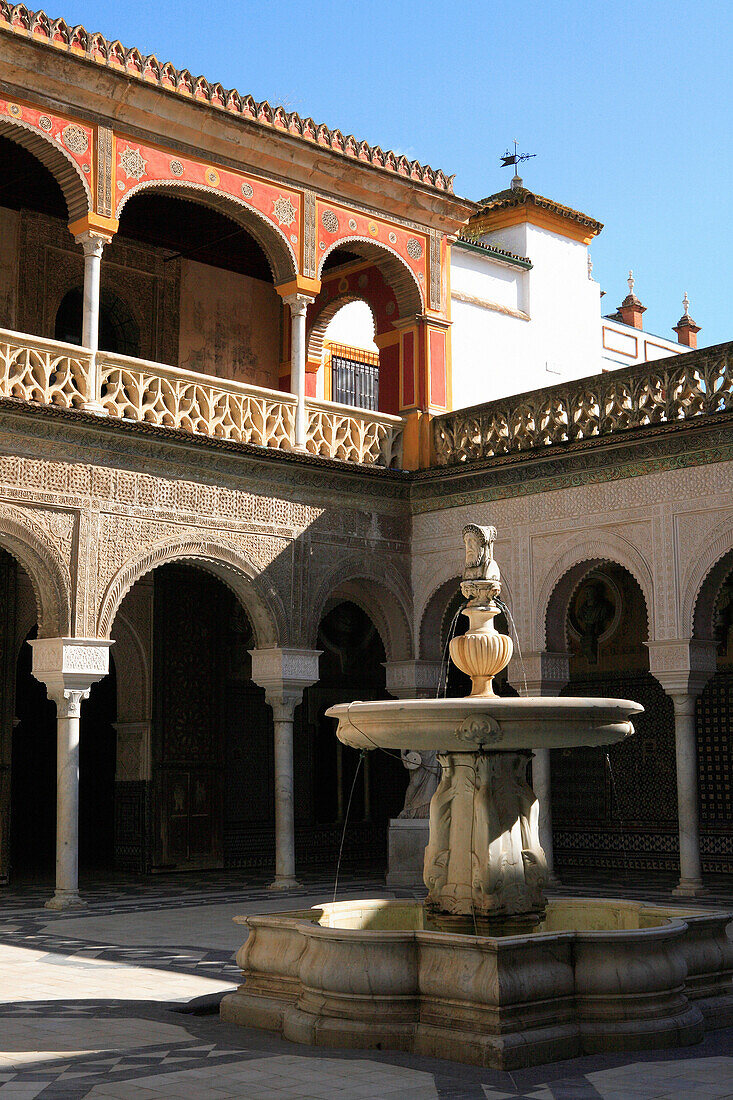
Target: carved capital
(543, 672)
(70, 665)
(413, 679)
(284, 673)
(682, 665)
(298, 303)
(68, 702)
(92, 243)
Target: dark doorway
(118, 329)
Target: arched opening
(714, 720)
(613, 809)
(351, 667)
(118, 330)
(203, 284)
(194, 780)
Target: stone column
(298, 306)
(68, 667)
(284, 674)
(93, 245)
(683, 667)
(544, 673)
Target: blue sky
(626, 105)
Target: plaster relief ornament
(132, 163)
(176, 168)
(75, 139)
(330, 221)
(247, 190)
(414, 248)
(284, 211)
(423, 782)
(45, 123)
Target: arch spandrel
(272, 240)
(379, 591)
(259, 599)
(25, 538)
(409, 294)
(705, 574)
(567, 572)
(62, 166)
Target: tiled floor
(96, 1003)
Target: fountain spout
(481, 652)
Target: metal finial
(686, 304)
(631, 281)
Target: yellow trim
(387, 339)
(95, 223)
(299, 285)
(545, 219)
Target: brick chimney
(631, 309)
(686, 328)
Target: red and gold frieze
(74, 138)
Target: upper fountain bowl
(493, 723)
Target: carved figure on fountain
(423, 782)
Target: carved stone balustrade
(44, 371)
(679, 388)
(353, 435)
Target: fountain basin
(596, 975)
(488, 723)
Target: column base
(65, 899)
(688, 889)
(284, 884)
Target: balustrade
(679, 388)
(43, 371)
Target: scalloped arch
(381, 593)
(323, 319)
(703, 579)
(47, 572)
(568, 570)
(261, 602)
(61, 165)
(273, 242)
(397, 274)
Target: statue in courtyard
(481, 579)
(593, 613)
(424, 774)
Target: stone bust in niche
(481, 579)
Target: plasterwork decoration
(284, 211)
(75, 139)
(309, 234)
(247, 190)
(392, 238)
(132, 163)
(45, 123)
(212, 177)
(330, 221)
(176, 168)
(436, 275)
(30, 533)
(352, 225)
(414, 248)
(104, 171)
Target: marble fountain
(486, 970)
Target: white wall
(622, 345)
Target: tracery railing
(353, 435)
(172, 398)
(44, 371)
(51, 373)
(684, 386)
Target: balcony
(684, 387)
(48, 372)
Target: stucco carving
(28, 535)
(62, 166)
(700, 582)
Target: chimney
(686, 328)
(631, 309)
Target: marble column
(683, 666)
(93, 245)
(690, 884)
(543, 673)
(68, 667)
(298, 306)
(284, 674)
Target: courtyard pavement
(118, 1002)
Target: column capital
(682, 665)
(284, 672)
(92, 243)
(413, 679)
(298, 303)
(546, 672)
(68, 667)
(300, 286)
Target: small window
(354, 383)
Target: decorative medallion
(284, 211)
(45, 123)
(389, 308)
(86, 168)
(293, 238)
(14, 110)
(363, 280)
(247, 190)
(176, 168)
(322, 246)
(212, 177)
(120, 185)
(393, 238)
(421, 277)
(352, 225)
(75, 139)
(133, 163)
(414, 248)
(373, 228)
(343, 285)
(330, 221)
(480, 729)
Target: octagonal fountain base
(596, 975)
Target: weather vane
(515, 158)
